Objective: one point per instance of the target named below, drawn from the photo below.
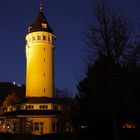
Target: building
(39, 56)
(39, 113)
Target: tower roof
(40, 24)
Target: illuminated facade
(39, 113)
(39, 56)
(39, 77)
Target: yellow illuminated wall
(39, 64)
(47, 125)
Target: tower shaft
(39, 64)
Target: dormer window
(29, 28)
(44, 25)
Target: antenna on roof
(41, 5)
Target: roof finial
(41, 6)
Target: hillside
(7, 88)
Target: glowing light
(14, 83)
(8, 126)
(84, 126)
(19, 85)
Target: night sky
(69, 20)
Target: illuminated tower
(39, 58)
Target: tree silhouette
(109, 33)
(11, 99)
(109, 93)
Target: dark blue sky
(68, 18)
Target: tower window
(44, 37)
(49, 39)
(44, 49)
(44, 89)
(44, 59)
(29, 28)
(44, 74)
(33, 38)
(38, 37)
(44, 25)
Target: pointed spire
(41, 5)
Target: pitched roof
(37, 25)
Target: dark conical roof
(37, 25)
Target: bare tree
(109, 33)
(108, 79)
(11, 99)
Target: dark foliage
(6, 88)
(109, 93)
